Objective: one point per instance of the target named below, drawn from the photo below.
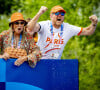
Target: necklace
(18, 42)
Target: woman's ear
(12, 27)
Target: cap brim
(58, 11)
(62, 11)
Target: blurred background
(84, 48)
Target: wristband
(94, 25)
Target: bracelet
(32, 63)
(94, 25)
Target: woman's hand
(0, 56)
(20, 60)
(5, 56)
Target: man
(53, 35)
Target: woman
(16, 43)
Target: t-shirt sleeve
(74, 29)
(42, 25)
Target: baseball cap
(57, 8)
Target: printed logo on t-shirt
(56, 41)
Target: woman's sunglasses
(61, 13)
(17, 23)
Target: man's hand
(5, 56)
(42, 10)
(32, 25)
(20, 60)
(93, 19)
(90, 29)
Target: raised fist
(43, 9)
(93, 19)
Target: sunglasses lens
(21, 23)
(16, 23)
(57, 13)
(62, 13)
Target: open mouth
(19, 28)
(58, 19)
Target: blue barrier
(47, 75)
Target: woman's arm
(33, 56)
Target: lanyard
(18, 42)
(61, 33)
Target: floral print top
(27, 43)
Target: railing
(47, 75)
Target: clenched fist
(93, 19)
(43, 9)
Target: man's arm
(90, 29)
(33, 25)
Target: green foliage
(6, 5)
(4, 20)
(84, 48)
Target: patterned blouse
(27, 43)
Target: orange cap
(57, 8)
(15, 17)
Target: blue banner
(47, 75)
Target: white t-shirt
(52, 47)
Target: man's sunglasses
(17, 23)
(57, 13)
